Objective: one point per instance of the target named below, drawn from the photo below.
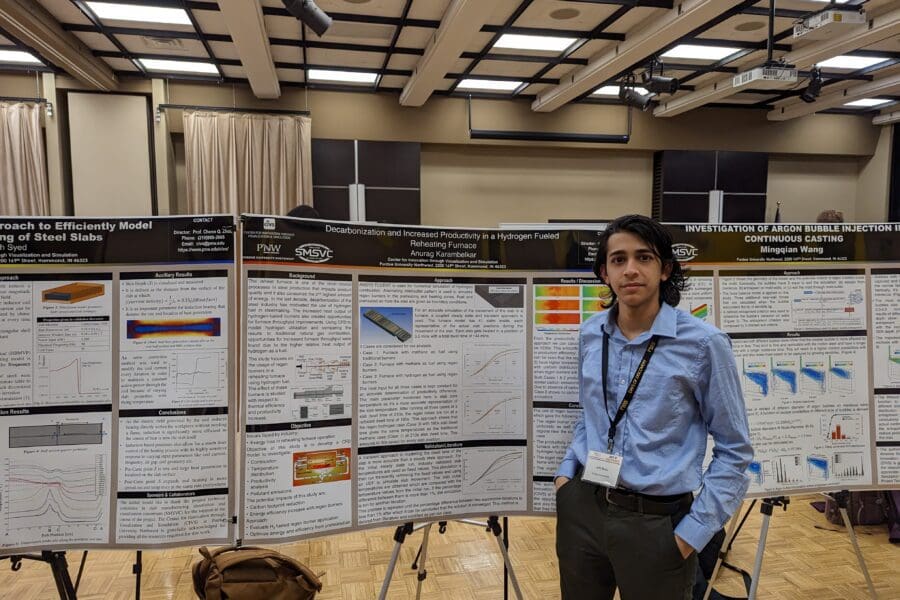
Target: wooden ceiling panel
(96, 41)
(505, 68)
(577, 15)
(344, 58)
(393, 82)
(431, 10)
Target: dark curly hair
(659, 240)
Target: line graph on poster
(492, 470)
(496, 412)
(64, 377)
(492, 364)
(198, 371)
(43, 493)
(324, 367)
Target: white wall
(481, 186)
(110, 150)
(807, 185)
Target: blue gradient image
(817, 463)
(756, 471)
(788, 376)
(760, 379)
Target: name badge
(602, 468)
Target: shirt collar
(664, 325)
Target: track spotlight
(660, 84)
(632, 97)
(814, 88)
(309, 14)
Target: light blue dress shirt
(690, 388)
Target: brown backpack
(249, 573)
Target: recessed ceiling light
(750, 26)
(178, 66)
(357, 1)
(135, 12)
(564, 14)
(700, 52)
(852, 62)
(867, 103)
(613, 90)
(342, 76)
(488, 84)
(534, 42)
(19, 57)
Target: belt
(641, 503)
(645, 503)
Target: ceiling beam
(879, 87)
(244, 19)
(33, 26)
(462, 20)
(638, 45)
(877, 29)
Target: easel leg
(859, 556)
(399, 536)
(493, 524)
(766, 507)
(423, 549)
(722, 553)
(60, 569)
(136, 568)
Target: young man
(654, 381)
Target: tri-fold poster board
(187, 380)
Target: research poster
(115, 365)
(388, 372)
(391, 373)
(813, 317)
(452, 359)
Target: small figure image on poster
(385, 324)
(321, 466)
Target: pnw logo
(314, 253)
(685, 252)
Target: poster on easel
(812, 313)
(388, 372)
(116, 362)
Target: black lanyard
(632, 387)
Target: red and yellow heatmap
(569, 304)
(557, 304)
(557, 318)
(321, 466)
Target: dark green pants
(602, 546)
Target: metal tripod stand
(492, 525)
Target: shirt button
(621, 382)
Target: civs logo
(314, 253)
(269, 224)
(685, 252)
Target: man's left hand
(684, 547)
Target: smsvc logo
(684, 252)
(314, 253)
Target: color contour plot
(174, 328)
(321, 466)
(569, 304)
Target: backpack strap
(248, 553)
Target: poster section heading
(786, 242)
(303, 242)
(131, 240)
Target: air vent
(164, 45)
